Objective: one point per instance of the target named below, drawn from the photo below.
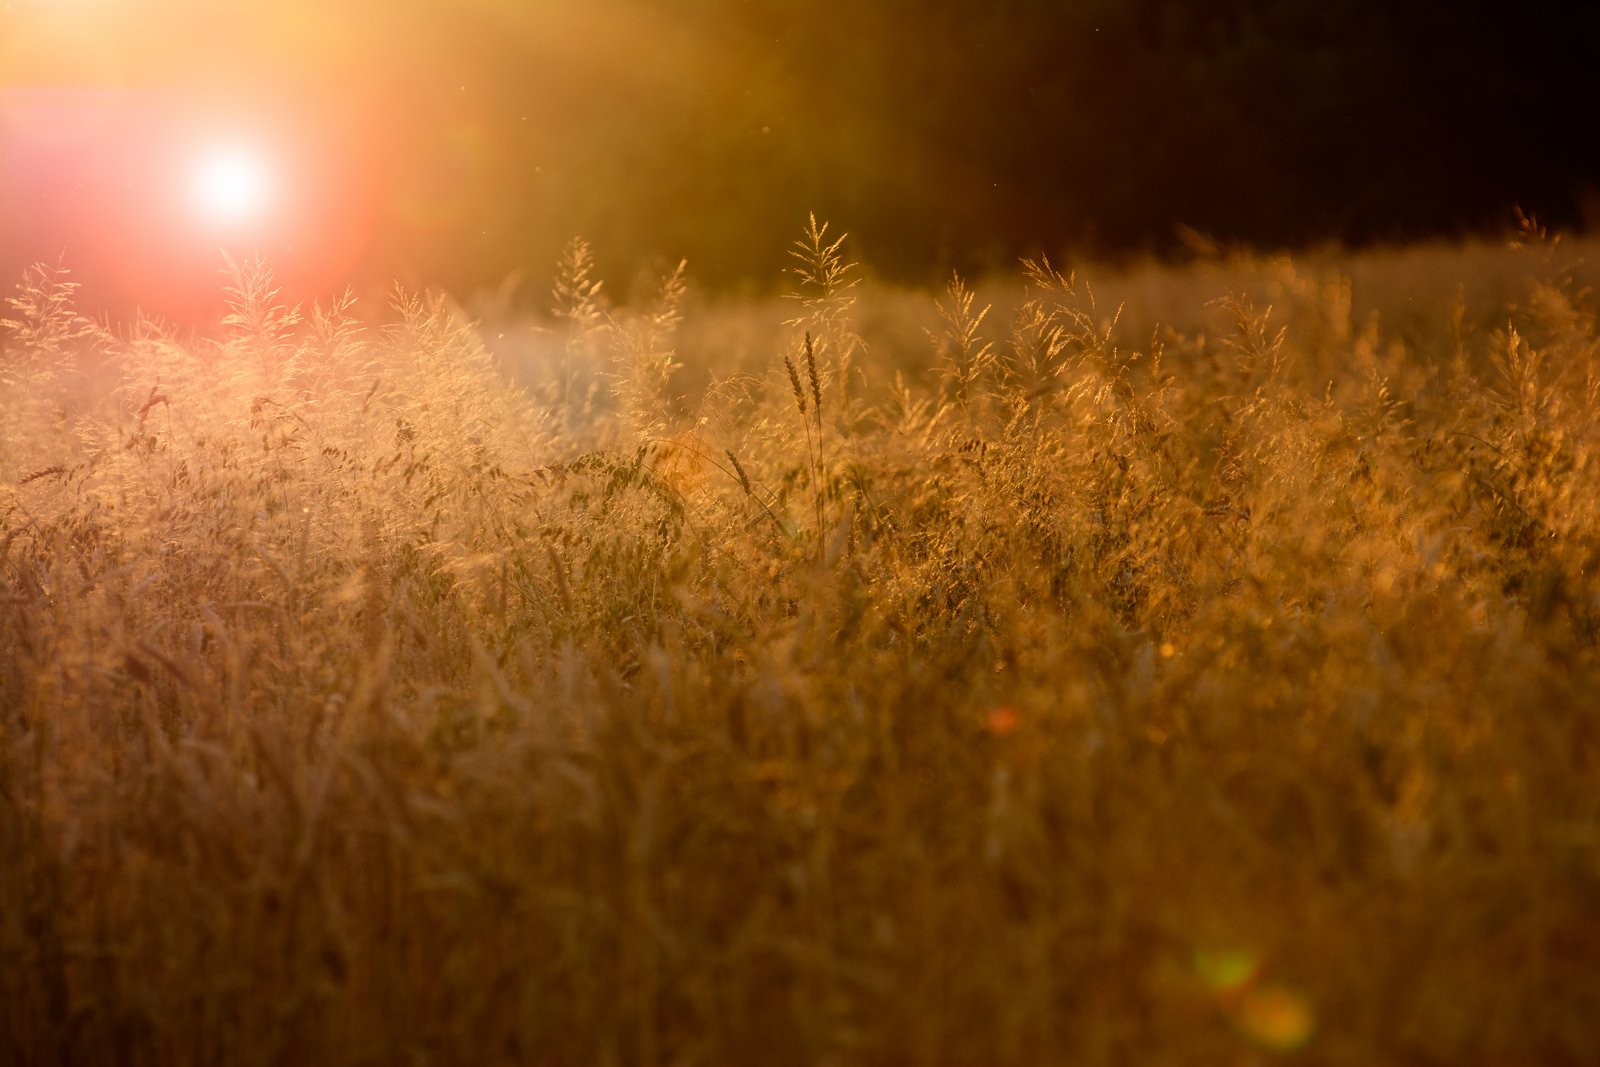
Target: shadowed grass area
(1032, 692)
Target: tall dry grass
(1061, 687)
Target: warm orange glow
(142, 191)
(1003, 721)
(1276, 1018)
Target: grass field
(855, 679)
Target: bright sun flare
(231, 185)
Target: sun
(231, 185)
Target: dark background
(451, 143)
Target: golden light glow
(232, 186)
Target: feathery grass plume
(825, 288)
(580, 309)
(579, 303)
(46, 322)
(1258, 349)
(336, 331)
(257, 323)
(44, 335)
(825, 277)
(964, 355)
(1036, 360)
(645, 357)
(1057, 333)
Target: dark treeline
(949, 133)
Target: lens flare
(232, 186)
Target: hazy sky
(454, 141)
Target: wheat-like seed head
(794, 384)
(811, 375)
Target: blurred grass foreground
(683, 684)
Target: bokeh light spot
(1226, 970)
(1003, 721)
(1276, 1018)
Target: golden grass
(1205, 684)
